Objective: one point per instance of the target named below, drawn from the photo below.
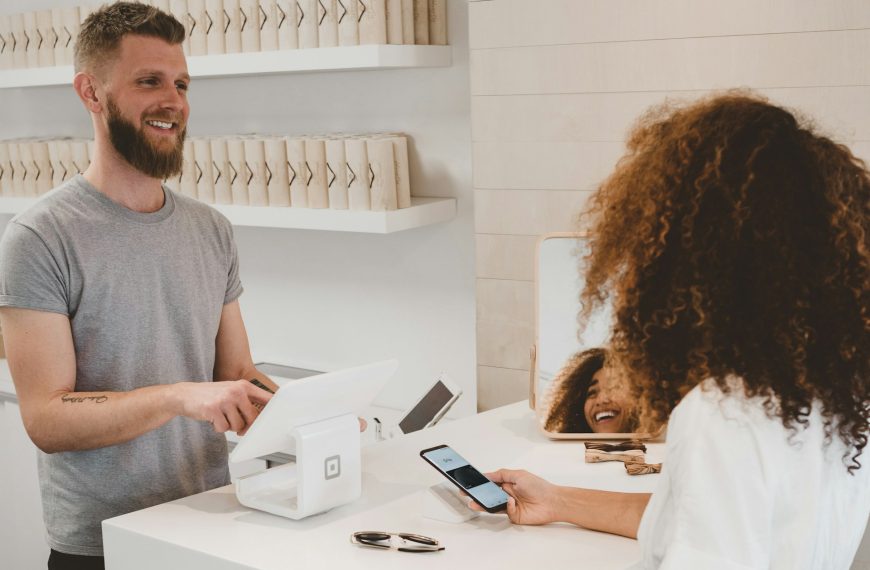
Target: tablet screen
(426, 409)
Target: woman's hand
(536, 501)
(532, 500)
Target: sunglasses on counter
(401, 541)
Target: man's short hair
(103, 30)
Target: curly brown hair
(733, 241)
(570, 390)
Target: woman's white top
(738, 490)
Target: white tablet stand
(316, 419)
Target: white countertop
(213, 531)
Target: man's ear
(85, 85)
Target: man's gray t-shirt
(144, 295)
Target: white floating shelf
(423, 212)
(268, 62)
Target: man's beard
(133, 145)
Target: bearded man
(120, 302)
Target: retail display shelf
(344, 58)
(423, 212)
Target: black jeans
(60, 561)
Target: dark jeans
(60, 561)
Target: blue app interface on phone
(469, 478)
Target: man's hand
(228, 405)
(532, 501)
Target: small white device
(314, 418)
(431, 406)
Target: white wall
(329, 299)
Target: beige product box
(288, 24)
(438, 22)
(215, 30)
(64, 151)
(278, 181)
(395, 35)
(47, 38)
(19, 41)
(203, 170)
(402, 170)
(222, 171)
(348, 26)
(162, 5)
(5, 170)
(327, 27)
(25, 158)
(269, 18)
(382, 174)
(31, 33)
(249, 11)
(408, 22)
(187, 179)
(233, 30)
(79, 156)
(60, 36)
(372, 22)
(336, 173)
(421, 22)
(308, 23)
(85, 11)
(6, 42)
(357, 162)
(57, 169)
(315, 166)
(256, 171)
(42, 171)
(16, 170)
(297, 172)
(66, 24)
(199, 24)
(178, 8)
(238, 171)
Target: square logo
(332, 467)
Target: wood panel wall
(557, 84)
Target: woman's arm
(535, 501)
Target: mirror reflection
(589, 396)
(580, 392)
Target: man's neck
(113, 176)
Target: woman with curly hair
(589, 397)
(735, 243)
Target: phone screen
(452, 465)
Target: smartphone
(453, 466)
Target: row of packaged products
(356, 172)
(47, 37)
(31, 167)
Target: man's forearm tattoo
(79, 399)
